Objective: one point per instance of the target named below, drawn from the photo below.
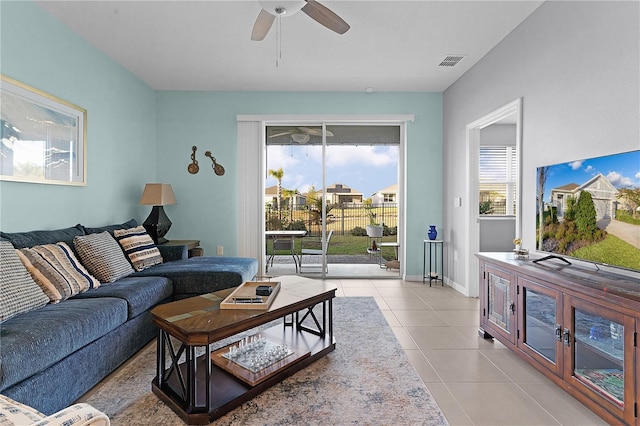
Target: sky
(622, 170)
(364, 168)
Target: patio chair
(314, 247)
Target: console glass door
(599, 354)
(540, 323)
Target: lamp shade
(157, 194)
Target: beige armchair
(14, 413)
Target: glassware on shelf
(599, 355)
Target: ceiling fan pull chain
(278, 40)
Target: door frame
(252, 169)
(472, 227)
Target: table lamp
(157, 224)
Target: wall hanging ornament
(193, 168)
(217, 168)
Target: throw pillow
(102, 256)
(15, 413)
(18, 292)
(57, 271)
(139, 247)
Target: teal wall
(206, 207)
(137, 135)
(121, 153)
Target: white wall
(576, 66)
(498, 135)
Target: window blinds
(498, 178)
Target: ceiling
(206, 45)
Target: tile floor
(475, 381)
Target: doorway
(332, 181)
(479, 223)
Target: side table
(193, 246)
(434, 247)
(393, 244)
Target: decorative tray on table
(257, 295)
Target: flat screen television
(589, 209)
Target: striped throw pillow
(57, 271)
(18, 292)
(139, 247)
(102, 256)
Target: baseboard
(459, 288)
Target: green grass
(347, 245)
(612, 251)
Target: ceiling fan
(299, 135)
(316, 11)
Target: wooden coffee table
(202, 387)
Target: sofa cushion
(18, 292)
(199, 275)
(35, 340)
(57, 271)
(141, 293)
(36, 238)
(110, 228)
(171, 252)
(139, 247)
(102, 256)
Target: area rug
(367, 380)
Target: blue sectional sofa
(51, 356)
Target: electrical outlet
(455, 255)
(220, 250)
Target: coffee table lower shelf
(226, 391)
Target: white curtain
(250, 185)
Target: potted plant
(374, 229)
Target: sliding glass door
(326, 187)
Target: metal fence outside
(341, 218)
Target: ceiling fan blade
(324, 16)
(262, 26)
(311, 131)
(281, 134)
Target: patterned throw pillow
(139, 247)
(15, 413)
(57, 271)
(102, 256)
(18, 292)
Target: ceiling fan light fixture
(300, 138)
(282, 7)
(277, 9)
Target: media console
(576, 325)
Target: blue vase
(432, 232)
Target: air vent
(451, 60)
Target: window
(498, 180)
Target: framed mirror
(43, 138)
